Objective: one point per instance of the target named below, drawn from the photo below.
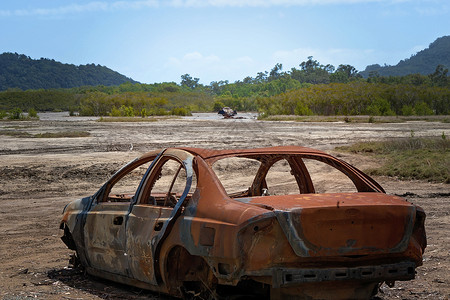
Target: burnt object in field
(227, 112)
(260, 222)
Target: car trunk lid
(343, 224)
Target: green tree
(439, 77)
(188, 81)
(312, 72)
(408, 110)
(422, 109)
(275, 73)
(344, 73)
(261, 77)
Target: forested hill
(21, 71)
(424, 62)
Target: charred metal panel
(105, 237)
(385, 272)
(352, 226)
(207, 235)
(74, 216)
(175, 213)
(292, 233)
(141, 232)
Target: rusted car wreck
(186, 221)
(227, 112)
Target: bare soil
(38, 176)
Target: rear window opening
(236, 174)
(267, 175)
(280, 179)
(327, 179)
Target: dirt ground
(38, 176)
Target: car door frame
(114, 248)
(186, 159)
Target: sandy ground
(39, 176)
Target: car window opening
(270, 175)
(124, 189)
(169, 184)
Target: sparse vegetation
(354, 119)
(129, 119)
(312, 89)
(409, 158)
(63, 134)
(15, 114)
(32, 113)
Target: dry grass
(62, 134)
(409, 158)
(357, 119)
(136, 119)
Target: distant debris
(227, 112)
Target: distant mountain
(21, 71)
(424, 62)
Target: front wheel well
(67, 237)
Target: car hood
(342, 223)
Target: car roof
(212, 153)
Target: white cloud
(211, 67)
(197, 57)
(427, 10)
(193, 59)
(141, 4)
(247, 60)
(192, 56)
(94, 6)
(268, 3)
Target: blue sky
(158, 41)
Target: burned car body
(187, 221)
(227, 112)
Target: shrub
(15, 114)
(302, 109)
(71, 111)
(218, 105)
(408, 110)
(32, 113)
(180, 111)
(127, 111)
(380, 107)
(422, 109)
(115, 112)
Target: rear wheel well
(188, 274)
(191, 277)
